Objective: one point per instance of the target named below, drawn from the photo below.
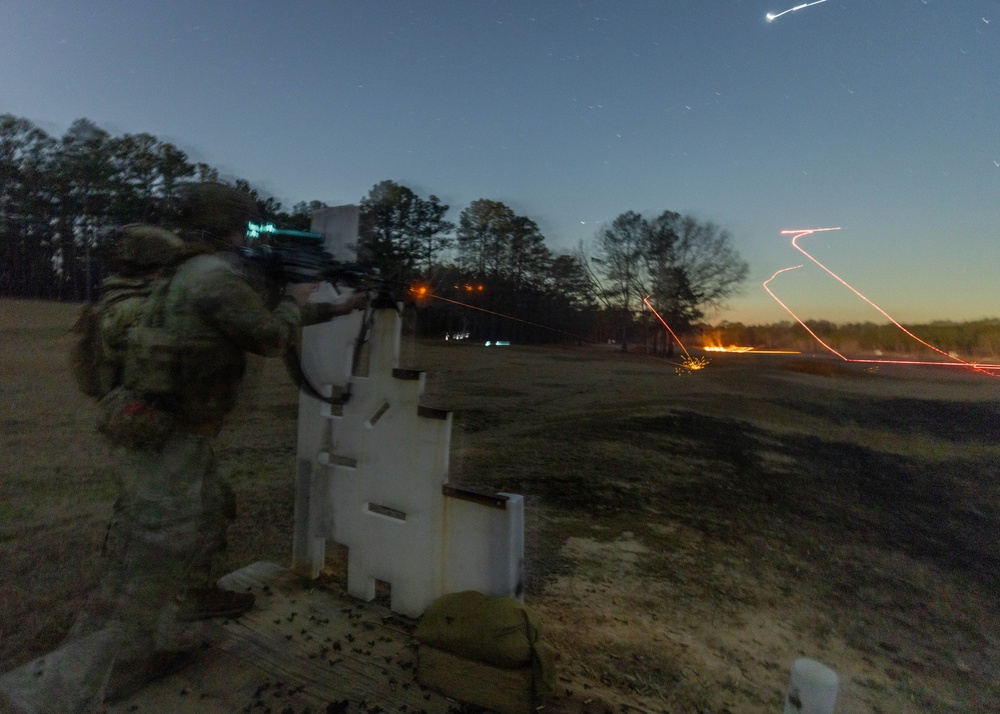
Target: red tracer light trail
(796, 235)
(646, 300)
(889, 317)
(689, 362)
(789, 311)
(424, 292)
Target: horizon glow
(796, 235)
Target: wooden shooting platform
(301, 649)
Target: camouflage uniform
(125, 617)
(170, 521)
(121, 307)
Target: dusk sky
(878, 116)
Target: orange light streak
(777, 352)
(734, 349)
(690, 363)
(851, 288)
(797, 319)
(714, 345)
(960, 363)
(646, 300)
(500, 314)
(796, 234)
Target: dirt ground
(689, 533)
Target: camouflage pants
(168, 528)
(175, 504)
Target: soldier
(185, 359)
(140, 257)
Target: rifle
(298, 257)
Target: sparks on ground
(689, 363)
(693, 364)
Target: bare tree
(682, 264)
(621, 262)
(692, 266)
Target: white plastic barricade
(372, 475)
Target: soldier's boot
(206, 603)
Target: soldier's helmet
(213, 211)
(140, 249)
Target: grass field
(689, 535)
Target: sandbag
(497, 631)
(494, 630)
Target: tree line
(60, 195)
(971, 340)
(490, 275)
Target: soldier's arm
(238, 311)
(230, 305)
(314, 313)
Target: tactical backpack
(95, 371)
(137, 253)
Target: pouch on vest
(128, 420)
(95, 372)
(152, 363)
(153, 356)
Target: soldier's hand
(301, 292)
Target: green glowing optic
(255, 229)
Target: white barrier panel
(372, 475)
(484, 541)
